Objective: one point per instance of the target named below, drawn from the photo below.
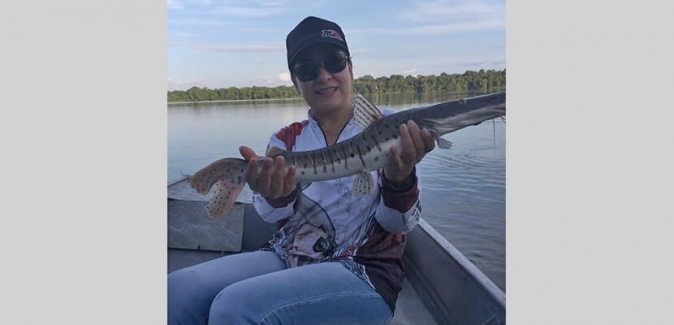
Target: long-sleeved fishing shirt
(325, 221)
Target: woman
(336, 257)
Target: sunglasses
(308, 70)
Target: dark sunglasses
(308, 70)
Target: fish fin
(442, 143)
(224, 197)
(230, 168)
(227, 176)
(363, 184)
(364, 112)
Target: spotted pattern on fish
(226, 178)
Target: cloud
(270, 3)
(357, 52)
(470, 26)
(247, 12)
(187, 35)
(196, 21)
(259, 30)
(175, 4)
(443, 10)
(438, 29)
(285, 77)
(262, 82)
(233, 48)
(484, 64)
(180, 4)
(444, 17)
(412, 71)
(239, 48)
(184, 84)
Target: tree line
(469, 81)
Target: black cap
(314, 30)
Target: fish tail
(227, 179)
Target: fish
(358, 155)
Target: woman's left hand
(416, 143)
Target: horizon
(223, 44)
(355, 79)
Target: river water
(463, 188)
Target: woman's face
(324, 91)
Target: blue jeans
(256, 288)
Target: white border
(83, 138)
(589, 162)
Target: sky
(241, 43)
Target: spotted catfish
(358, 155)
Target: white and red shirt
(325, 221)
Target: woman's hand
(267, 176)
(416, 143)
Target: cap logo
(331, 33)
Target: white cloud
(412, 72)
(357, 52)
(184, 84)
(175, 4)
(262, 82)
(484, 64)
(471, 26)
(271, 3)
(234, 48)
(445, 17)
(188, 35)
(443, 10)
(196, 22)
(247, 12)
(438, 29)
(285, 77)
(180, 4)
(238, 48)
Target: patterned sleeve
(400, 210)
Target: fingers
(429, 141)
(396, 159)
(277, 178)
(395, 170)
(290, 183)
(247, 153)
(251, 174)
(419, 147)
(407, 144)
(264, 178)
(415, 142)
(267, 176)
(401, 164)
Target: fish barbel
(364, 152)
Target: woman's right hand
(267, 176)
